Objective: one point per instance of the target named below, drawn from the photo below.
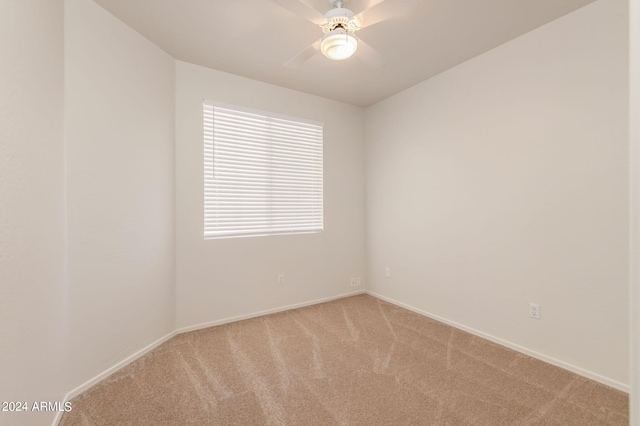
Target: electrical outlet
(280, 279)
(387, 272)
(353, 282)
(534, 310)
(358, 281)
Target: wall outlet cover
(534, 310)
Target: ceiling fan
(340, 24)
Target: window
(262, 173)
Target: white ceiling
(253, 38)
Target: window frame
(276, 220)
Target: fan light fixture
(338, 44)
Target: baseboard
(542, 357)
(128, 360)
(83, 387)
(265, 312)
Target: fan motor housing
(340, 17)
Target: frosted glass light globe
(338, 45)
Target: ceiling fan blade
(370, 55)
(303, 56)
(385, 9)
(304, 10)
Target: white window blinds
(262, 173)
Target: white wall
(119, 118)
(32, 281)
(634, 114)
(222, 278)
(504, 181)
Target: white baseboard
(128, 360)
(83, 387)
(542, 357)
(265, 312)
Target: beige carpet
(354, 361)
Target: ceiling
(254, 38)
